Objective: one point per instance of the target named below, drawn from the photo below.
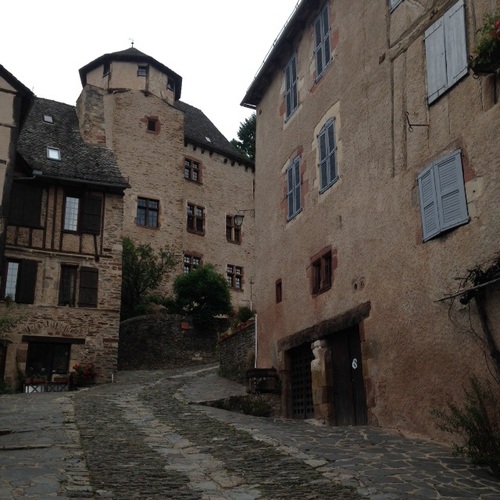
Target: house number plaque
(354, 363)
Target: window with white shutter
(446, 52)
(291, 99)
(294, 181)
(443, 204)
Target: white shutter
(436, 60)
(455, 43)
(394, 3)
(450, 189)
(428, 203)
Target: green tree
(246, 136)
(143, 270)
(203, 293)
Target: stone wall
(162, 341)
(236, 352)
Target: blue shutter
(291, 86)
(297, 196)
(428, 203)
(318, 47)
(290, 192)
(450, 190)
(393, 4)
(293, 89)
(322, 159)
(332, 163)
(436, 60)
(455, 43)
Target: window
(327, 156)
(105, 68)
(443, 204)
(446, 52)
(279, 291)
(67, 286)
(393, 4)
(147, 212)
(192, 170)
(191, 262)
(294, 181)
(322, 273)
(170, 84)
(48, 119)
(291, 98)
(25, 205)
(53, 153)
(322, 41)
(196, 219)
(142, 70)
(234, 276)
(153, 125)
(71, 213)
(233, 232)
(87, 286)
(20, 281)
(82, 214)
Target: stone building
(377, 186)
(187, 181)
(130, 159)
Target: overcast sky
(217, 46)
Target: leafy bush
(244, 314)
(488, 39)
(477, 423)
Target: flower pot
(482, 66)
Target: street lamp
(238, 218)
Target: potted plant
(487, 54)
(84, 375)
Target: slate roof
(80, 162)
(199, 130)
(131, 55)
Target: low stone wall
(162, 341)
(237, 351)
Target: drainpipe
(255, 356)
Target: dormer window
(48, 119)
(142, 70)
(53, 153)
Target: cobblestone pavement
(148, 437)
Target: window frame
(190, 170)
(278, 287)
(142, 70)
(322, 273)
(53, 153)
(442, 196)
(67, 293)
(294, 188)
(82, 288)
(446, 52)
(233, 232)
(69, 214)
(195, 222)
(291, 93)
(234, 277)
(327, 163)
(25, 280)
(148, 210)
(322, 47)
(189, 264)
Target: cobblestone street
(147, 437)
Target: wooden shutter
(296, 175)
(332, 161)
(450, 190)
(91, 215)
(428, 203)
(455, 43)
(435, 57)
(87, 296)
(25, 205)
(326, 35)
(322, 158)
(294, 83)
(318, 46)
(26, 282)
(290, 192)
(394, 3)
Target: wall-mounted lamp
(238, 218)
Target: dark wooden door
(302, 402)
(348, 384)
